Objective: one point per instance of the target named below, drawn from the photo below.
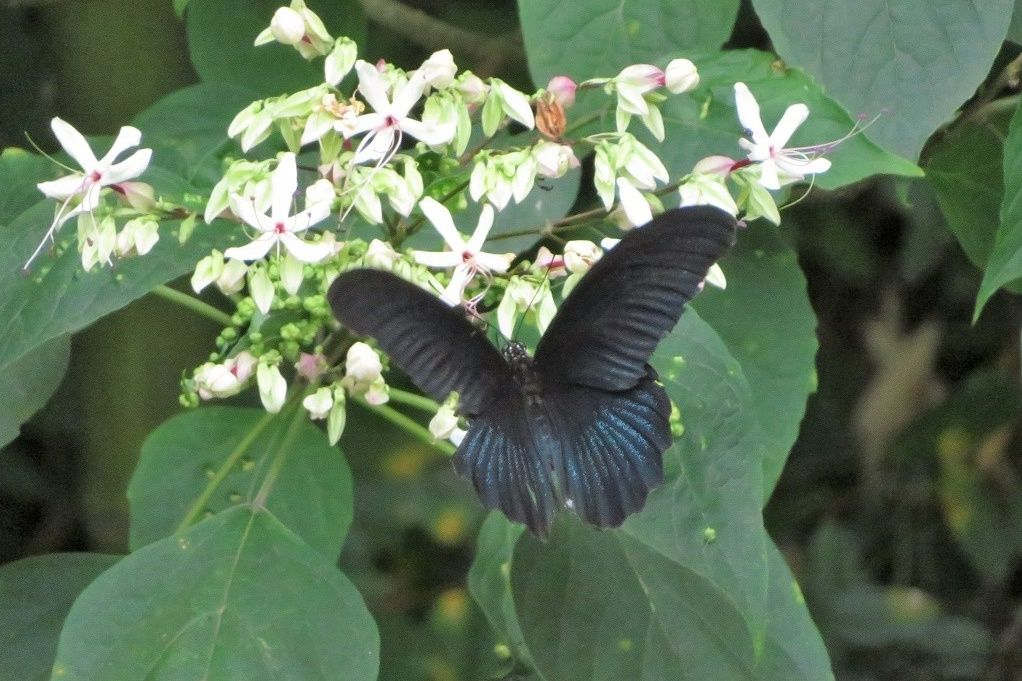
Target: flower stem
(192, 303)
(410, 426)
(413, 400)
(283, 450)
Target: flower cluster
(392, 154)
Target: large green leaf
(704, 122)
(221, 34)
(58, 298)
(766, 321)
(590, 39)
(27, 383)
(914, 61)
(187, 129)
(965, 171)
(19, 172)
(35, 597)
(218, 456)
(1005, 263)
(237, 597)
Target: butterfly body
(583, 423)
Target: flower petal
(430, 133)
(284, 184)
(62, 188)
(441, 218)
(316, 213)
(371, 85)
(494, 262)
(454, 293)
(129, 168)
(74, 144)
(254, 250)
(794, 116)
(127, 137)
(437, 259)
(748, 114)
(633, 203)
(245, 209)
(408, 95)
(485, 224)
(306, 251)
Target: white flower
(521, 296)
(226, 379)
(444, 424)
(299, 27)
(466, 257)
(439, 70)
(138, 236)
(278, 228)
(505, 100)
(85, 186)
(232, 277)
(319, 403)
(362, 364)
(378, 392)
(380, 255)
(553, 160)
(633, 203)
(501, 176)
(706, 185)
(207, 271)
(680, 76)
(389, 118)
(777, 164)
(633, 83)
(580, 255)
(272, 387)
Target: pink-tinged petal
(454, 293)
(129, 168)
(371, 85)
(306, 251)
(62, 188)
(408, 95)
(74, 144)
(284, 183)
(255, 250)
(794, 116)
(444, 223)
(246, 211)
(431, 134)
(494, 262)
(768, 175)
(439, 260)
(475, 243)
(316, 213)
(748, 114)
(127, 137)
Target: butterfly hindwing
(499, 455)
(434, 344)
(612, 447)
(607, 328)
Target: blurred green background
(900, 509)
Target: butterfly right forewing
(607, 328)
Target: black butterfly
(584, 423)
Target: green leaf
(965, 171)
(221, 34)
(35, 597)
(776, 345)
(179, 7)
(19, 172)
(1005, 263)
(1015, 27)
(236, 597)
(914, 61)
(704, 122)
(220, 455)
(598, 39)
(27, 383)
(187, 129)
(59, 298)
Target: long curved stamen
(56, 224)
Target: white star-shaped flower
(466, 257)
(389, 117)
(778, 165)
(279, 228)
(96, 173)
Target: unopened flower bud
(287, 26)
(439, 70)
(272, 387)
(680, 76)
(319, 403)
(563, 90)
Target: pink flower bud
(563, 90)
(642, 77)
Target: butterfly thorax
(523, 369)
